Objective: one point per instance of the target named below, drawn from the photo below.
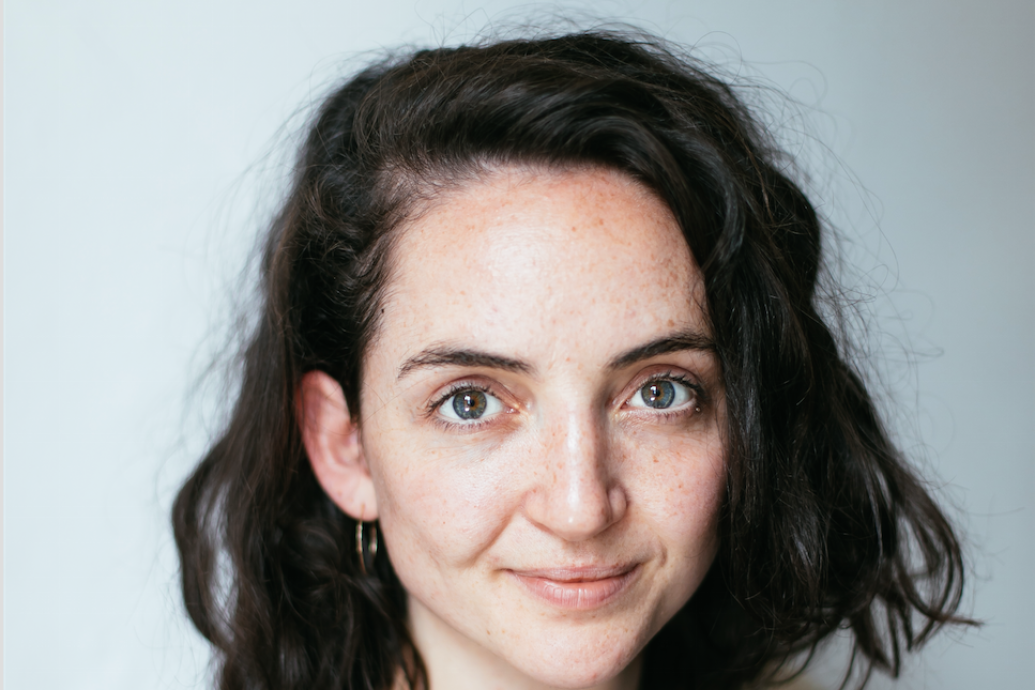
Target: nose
(575, 496)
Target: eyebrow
(685, 340)
(447, 356)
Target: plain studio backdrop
(145, 143)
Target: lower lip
(586, 594)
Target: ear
(333, 444)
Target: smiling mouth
(578, 588)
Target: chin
(578, 663)
(585, 676)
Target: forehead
(541, 261)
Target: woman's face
(542, 418)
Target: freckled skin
(563, 271)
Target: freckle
(655, 460)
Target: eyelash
(458, 387)
(698, 400)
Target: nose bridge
(576, 497)
(581, 461)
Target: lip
(579, 588)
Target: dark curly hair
(823, 526)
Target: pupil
(469, 405)
(659, 394)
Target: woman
(541, 397)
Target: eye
(469, 405)
(662, 394)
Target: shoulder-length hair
(823, 525)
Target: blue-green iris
(658, 394)
(470, 404)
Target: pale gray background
(137, 142)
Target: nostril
(577, 504)
(617, 503)
(575, 496)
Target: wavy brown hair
(824, 524)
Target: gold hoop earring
(371, 548)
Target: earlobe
(333, 444)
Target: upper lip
(582, 573)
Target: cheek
(679, 489)
(679, 485)
(439, 507)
